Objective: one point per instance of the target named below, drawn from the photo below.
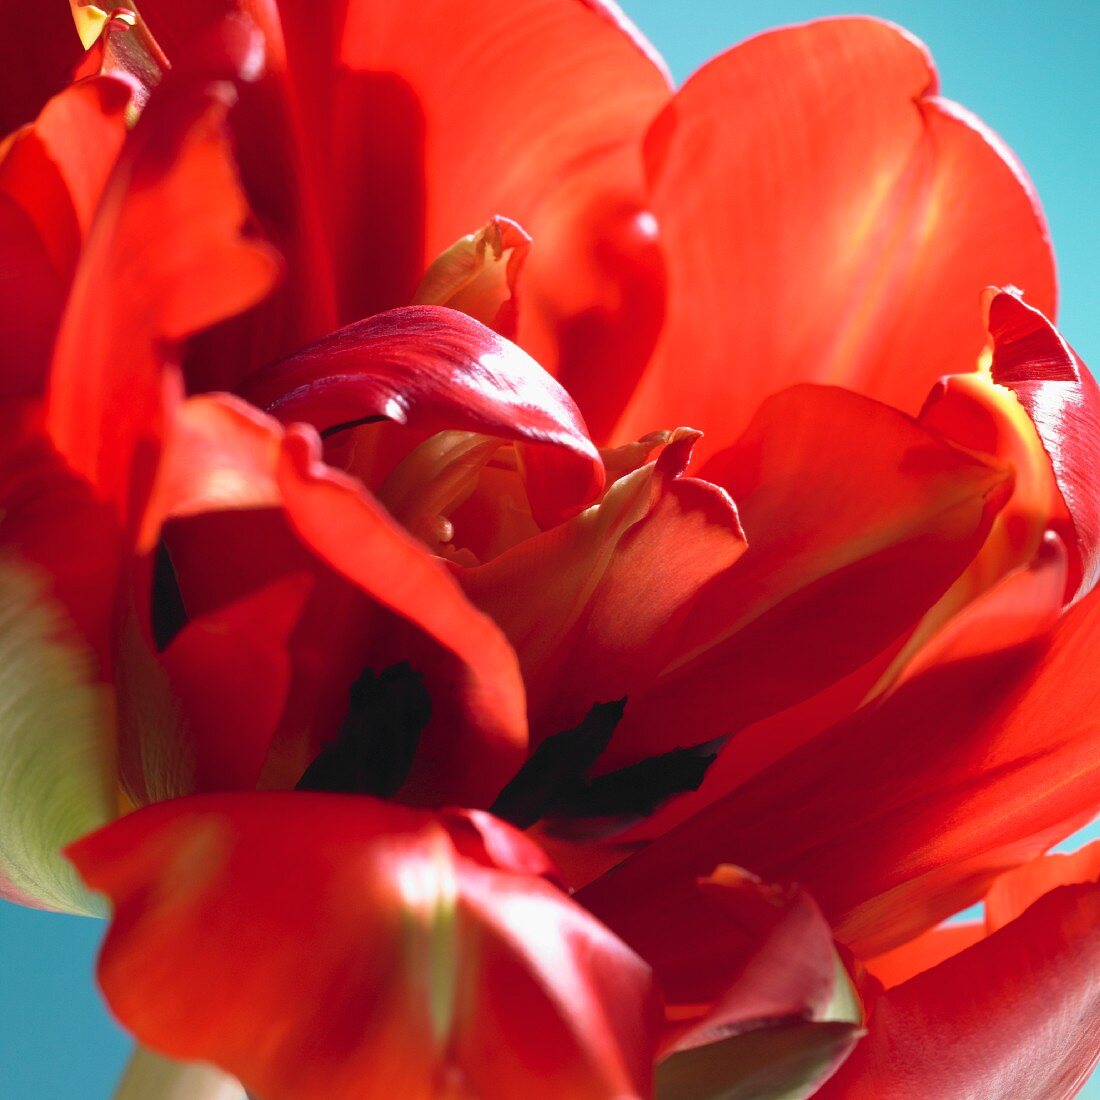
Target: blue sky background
(1030, 72)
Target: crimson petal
(434, 368)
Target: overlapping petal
(906, 812)
(857, 520)
(567, 600)
(271, 516)
(360, 933)
(52, 175)
(888, 211)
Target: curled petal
(1062, 399)
(420, 972)
(889, 212)
(477, 275)
(433, 368)
(470, 759)
(293, 515)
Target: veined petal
(557, 150)
(433, 368)
(421, 973)
(826, 217)
(57, 745)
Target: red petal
(905, 813)
(52, 177)
(1012, 893)
(478, 737)
(534, 111)
(433, 368)
(1012, 1018)
(593, 607)
(730, 953)
(929, 949)
(43, 50)
(47, 510)
(205, 718)
(380, 596)
(826, 217)
(325, 946)
(165, 259)
(1063, 401)
(858, 519)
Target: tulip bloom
(521, 581)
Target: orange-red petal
(322, 946)
(1012, 1018)
(826, 216)
(905, 813)
(165, 258)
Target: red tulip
(422, 406)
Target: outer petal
(1013, 1018)
(52, 175)
(826, 217)
(55, 739)
(433, 368)
(139, 290)
(905, 813)
(420, 972)
(557, 150)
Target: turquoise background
(1029, 71)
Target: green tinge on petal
(57, 753)
(784, 1061)
(772, 1063)
(152, 1077)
